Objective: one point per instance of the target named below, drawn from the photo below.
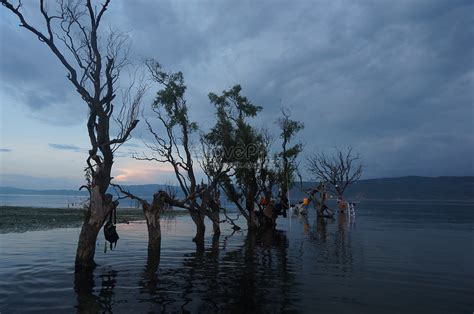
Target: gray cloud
(392, 79)
(37, 82)
(131, 144)
(5, 150)
(73, 148)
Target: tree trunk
(86, 245)
(199, 222)
(215, 245)
(100, 207)
(152, 216)
(252, 223)
(215, 222)
(200, 229)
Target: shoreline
(19, 219)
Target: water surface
(396, 257)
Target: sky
(394, 80)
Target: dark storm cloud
(392, 79)
(73, 148)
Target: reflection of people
(342, 204)
(268, 213)
(351, 209)
(305, 221)
(281, 207)
(342, 219)
(284, 203)
(321, 229)
(323, 207)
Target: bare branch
(340, 170)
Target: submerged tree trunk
(152, 214)
(252, 221)
(100, 207)
(213, 211)
(154, 230)
(198, 220)
(215, 222)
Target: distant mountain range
(452, 188)
(18, 191)
(139, 190)
(413, 187)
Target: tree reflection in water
(84, 285)
(333, 243)
(328, 265)
(254, 277)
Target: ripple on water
(392, 259)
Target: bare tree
(93, 65)
(340, 169)
(216, 170)
(175, 147)
(152, 215)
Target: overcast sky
(392, 79)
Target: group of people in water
(270, 209)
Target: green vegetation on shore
(21, 219)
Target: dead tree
(152, 216)
(175, 147)
(340, 170)
(215, 169)
(153, 213)
(93, 64)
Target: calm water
(397, 257)
(52, 201)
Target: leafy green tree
(286, 158)
(267, 173)
(239, 144)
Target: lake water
(53, 201)
(396, 257)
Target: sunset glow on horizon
(130, 171)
